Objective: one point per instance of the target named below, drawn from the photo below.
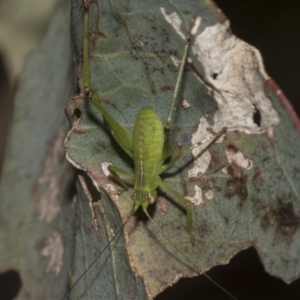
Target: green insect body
(148, 143)
(148, 147)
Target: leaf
(36, 185)
(113, 266)
(245, 189)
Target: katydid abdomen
(148, 143)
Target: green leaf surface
(36, 213)
(112, 267)
(245, 188)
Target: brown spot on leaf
(287, 219)
(40, 243)
(167, 88)
(267, 221)
(237, 185)
(162, 204)
(232, 148)
(231, 189)
(259, 177)
(205, 178)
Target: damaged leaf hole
(215, 76)
(257, 116)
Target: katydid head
(143, 199)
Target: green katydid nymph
(148, 145)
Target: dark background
(274, 28)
